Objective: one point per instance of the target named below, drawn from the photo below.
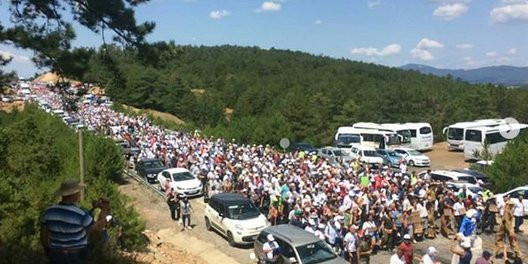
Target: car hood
(254, 224)
(187, 184)
(337, 260)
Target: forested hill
(278, 93)
(508, 75)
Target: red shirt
(407, 250)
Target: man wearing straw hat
(65, 226)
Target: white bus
(347, 137)
(456, 133)
(403, 133)
(421, 135)
(477, 137)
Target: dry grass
(157, 114)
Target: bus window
(495, 138)
(474, 135)
(413, 132)
(425, 130)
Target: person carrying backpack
(271, 250)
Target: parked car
(333, 154)
(480, 176)
(450, 176)
(297, 246)
(471, 189)
(515, 193)
(390, 157)
(180, 180)
(413, 157)
(235, 217)
(302, 146)
(366, 154)
(149, 169)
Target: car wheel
(411, 163)
(230, 239)
(208, 225)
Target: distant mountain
(508, 75)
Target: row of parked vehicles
(389, 157)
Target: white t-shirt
(396, 260)
(268, 246)
(427, 259)
(457, 207)
(518, 208)
(350, 242)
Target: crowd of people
(359, 209)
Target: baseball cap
(407, 237)
(270, 237)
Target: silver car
(297, 246)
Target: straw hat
(69, 187)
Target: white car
(235, 217)
(366, 154)
(180, 180)
(413, 157)
(514, 194)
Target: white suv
(235, 217)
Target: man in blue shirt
(65, 226)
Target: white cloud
(464, 46)
(318, 22)
(373, 3)
(426, 43)
(511, 12)
(512, 51)
(491, 54)
(270, 6)
(391, 49)
(450, 11)
(421, 51)
(422, 54)
(218, 14)
(6, 55)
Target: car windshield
(369, 153)
(338, 153)
(243, 211)
(152, 164)
(455, 133)
(347, 139)
(315, 253)
(413, 152)
(475, 189)
(182, 176)
(392, 154)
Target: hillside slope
(281, 93)
(508, 75)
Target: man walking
(506, 230)
(65, 226)
(186, 209)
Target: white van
(455, 133)
(421, 135)
(476, 139)
(366, 154)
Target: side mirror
(292, 260)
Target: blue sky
(440, 33)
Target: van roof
(294, 235)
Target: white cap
(471, 212)
(270, 237)
(432, 251)
(108, 218)
(407, 237)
